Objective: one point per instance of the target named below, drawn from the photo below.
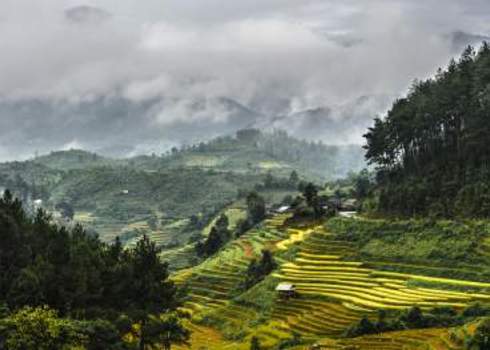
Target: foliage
(362, 184)
(255, 344)
(432, 149)
(448, 243)
(257, 271)
(481, 337)
(217, 237)
(272, 182)
(103, 335)
(166, 330)
(76, 274)
(256, 212)
(412, 318)
(255, 208)
(39, 329)
(287, 343)
(310, 193)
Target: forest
(65, 289)
(431, 151)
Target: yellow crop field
(334, 292)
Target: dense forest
(432, 149)
(64, 289)
(319, 159)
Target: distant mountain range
(461, 39)
(120, 127)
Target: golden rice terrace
(333, 291)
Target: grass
(234, 213)
(336, 288)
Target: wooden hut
(286, 290)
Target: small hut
(286, 290)
(283, 209)
(350, 205)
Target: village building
(286, 290)
(350, 205)
(283, 209)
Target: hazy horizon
(122, 78)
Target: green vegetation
(344, 287)
(218, 236)
(414, 318)
(255, 344)
(432, 148)
(480, 340)
(39, 329)
(173, 198)
(257, 271)
(443, 243)
(97, 289)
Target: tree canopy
(75, 275)
(432, 149)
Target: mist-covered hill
(161, 194)
(119, 126)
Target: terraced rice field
(427, 339)
(213, 283)
(319, 271)
(109, 228)
(333, 292)
(202, 338)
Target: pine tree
(255, 344)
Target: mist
(125, 78)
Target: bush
(414, 318)
(39, 329)
(481, 338)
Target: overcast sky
(277, 57)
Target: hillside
(73, 159)
(337, 284)
(171, 197)
(432, 149)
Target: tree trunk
(142, 336)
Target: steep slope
(335, 290)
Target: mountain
(116, 126)
(460, 40)
(337, 124)
(172, 196)
(120, 126)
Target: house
(334, 203)
(350, 205)
(282, 210)
(286, 290)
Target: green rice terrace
(339, 279)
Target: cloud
(151, 71)
(86, 14)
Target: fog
(124, 77)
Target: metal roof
(285, 287)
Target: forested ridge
(432, 150)
(65, 289)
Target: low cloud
(127, 75)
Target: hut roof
(285, 287)
(282, 209)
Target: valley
(334, 292)
(245, 175)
